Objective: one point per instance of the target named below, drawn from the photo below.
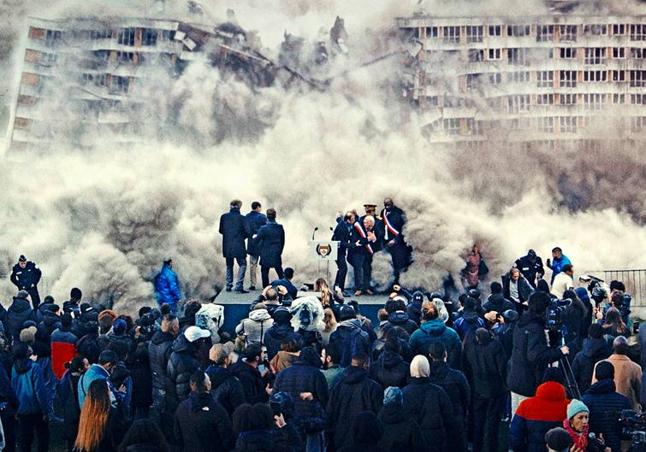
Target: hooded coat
(304, 377)
(255, 326)
(350, 337)
(18, 313)
(182, 363)
(278, 333)
(167, 286)
(536, 415)
(400, 433)
(30, 388)
(468, 323)
(402, 320)
(389, 370)
(63, 346)
(485, 365)
(435, 330)
(201, 424)
(605, 405)
(594, 350)
(226, 389)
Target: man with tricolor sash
(394, 220)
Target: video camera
(148, 323)
(556, 313)
(634, 426)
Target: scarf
(580, 440)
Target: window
(495, 54)
(495, 30)
(52, 37)
(495, 79)
(618, 53)
(595, 55)
(431, 32)
(567, 53)
(149, 37)
(568, 33)
(618, 76)
(594, 76)
(594, 101)
(546, 124)
(472, 80)
(432, 101)
(544, 33)
(567, 99)
(618, 29)
(638, 53)
(518, 104)
(476, 56)
(451, 34)
(518, 77)
(126, 37)
(637, 78)
(638, 123)
(545, 79)
(517, 56)
(451, 126)
(474, 33)
(48, 59)
(595, 30)
(120, 84)
(568, 79)
(545, 99)
(518, 30)
(568, 124)
(638, 99)
(618, 98)
(124, 57)
(637, 32)
(472, 126)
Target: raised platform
(236, 306)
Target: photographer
(531, 354)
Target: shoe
(241, 290)
(228, 289)
(357, 293)
(369, 292)
(252, 288)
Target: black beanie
(496, 287)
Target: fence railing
(634, 280)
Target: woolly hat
(22, 294)
(28, 335)
(575, 407)
(119, 327)
(558, 439)
(393, 396)
(282, 315)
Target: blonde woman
(330, 325)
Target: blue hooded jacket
(167, 286)
(28, 384)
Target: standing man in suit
(271, 240)
(234, 229)
(342, 234)
(394, 220)
(256, 219)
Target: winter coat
(88, 346)
(30, 389)
(350, 337)
(605, 405)
(292, 290)
(235, 230)
(142, 381)
(435, 330)
(400, 433)
(342, 234)
(277, 334)
(536, 415)
(8, 399)
(455, 385)
(332, 375)
(486, 367)
(252, 382)
(429, 406)
(25, 278)
(63, 346)
(497, 302)
(402, 320)
(66, 405)
(628, 378)
(283, 360)
(255, 220)
(113, 433)
(167, 288)
(530, 355)
(47, 319)
(524, 288)
(468, 323)
(271, 241)
(354, 392)
(530, 267)
(255, 326)
(95, 372)
(299, 378)
(201, 424)
(556, 265)
(414, 311)
(18, 313)
(594, 350)
(389, 370)
(226, 389)
(181, 365)
(271, 440)
(160, 348)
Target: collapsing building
(557, 80)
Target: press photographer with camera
(531, 354)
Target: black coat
(277, 333)
(159, 351)
(524, 288)
(342, 234)
(594, 350)
(354, 392)
(497, 302)
(226, 389)
(235, 230)
(400, 433)
(389, 370)
(271, 241)
(530, 355)
(455, 385)
(402, 320)
(181, 365)
(251, 380)
(255, 221)
(530, 267)
(201, 424)
(397, 219)
(605, 405)
(302, 377)
(485, 366)
(25, 278)
(270, 440)
(18, 313)
(429, 406)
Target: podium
(324, 251)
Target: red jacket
(63, 344)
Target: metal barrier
(634, 280)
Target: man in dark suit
(342, 234)
(394, 220)
(271, 240)
(234, 229)
(256, 219)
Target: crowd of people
(521, 363)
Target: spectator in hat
(576, 424)
(167, 288)
(628, 375)
(25, 275)
(281, 330)
(256, 219)
(604, 403)
(558, 440)
(595, 348)
(235, 230)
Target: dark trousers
(27, 425)
(342, 270)
(367, 271)
(264, 272)
(486, 422)
(9, 426)
(356, 259)
(401, 255)
(35, 296)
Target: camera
(634, 426)
(147, 323)
(555, 313)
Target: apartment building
(555, 80)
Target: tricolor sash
(359, 229)
(389, 227)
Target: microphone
(314, 232)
